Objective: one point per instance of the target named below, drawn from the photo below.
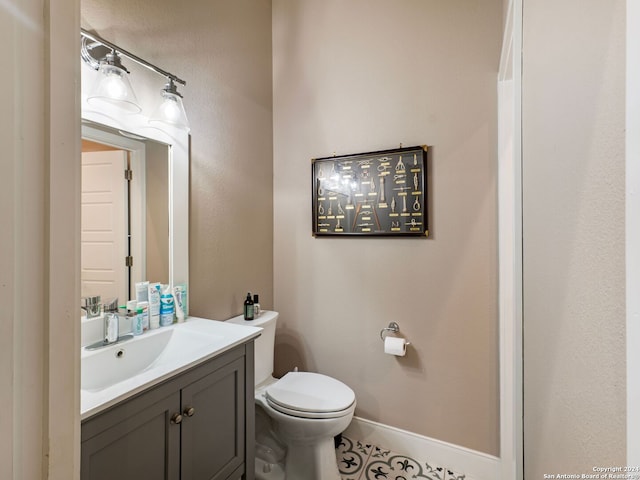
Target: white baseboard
(473, 464)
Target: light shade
(171, 110)
(112, 86)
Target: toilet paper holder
(393, 327)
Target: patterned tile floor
(359, 461)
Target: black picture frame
(382, 193)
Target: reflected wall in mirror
(124, 212)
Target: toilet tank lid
(311, 392)
(265, 317)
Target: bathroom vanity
(186, 416)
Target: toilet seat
(310, 395)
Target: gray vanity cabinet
(134, 440)
(213, 438)
(191, 427)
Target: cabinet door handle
(189, 411)
(176, 419)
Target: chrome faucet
(91, 306)
(111, 330)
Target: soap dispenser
(248, 308)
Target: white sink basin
(111, 374)
(109, 365)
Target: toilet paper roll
(395, 346)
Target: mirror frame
(178, 142)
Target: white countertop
(210, 339)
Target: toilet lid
(310, 393)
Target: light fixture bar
(135, 58)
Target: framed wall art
(380, 193)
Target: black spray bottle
(248, 308)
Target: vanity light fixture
(113, 84)
(171, 110)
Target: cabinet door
(133, 441)
(213, 437)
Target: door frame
(632, 225)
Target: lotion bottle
(256, 306)
(154, 305)
(136, 321)
(144, 307)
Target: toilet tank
(264, 344)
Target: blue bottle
(167, 309)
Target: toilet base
(269, 471)
(312, 462)
(280, 456)
(306, 462)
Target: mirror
(124, 212)
(134, 138)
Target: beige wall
(574, 300)
(366, 75)
(223, 50)
(40, 239)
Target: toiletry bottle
(167, 307)
(256, 306)
(136, 321)
(248, 308)
(179, 303)
(142, 291)
(144, 306)
(154, 305)
(154, 322)
(182, 288)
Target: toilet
(297, 416)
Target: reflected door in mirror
(103, 221)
